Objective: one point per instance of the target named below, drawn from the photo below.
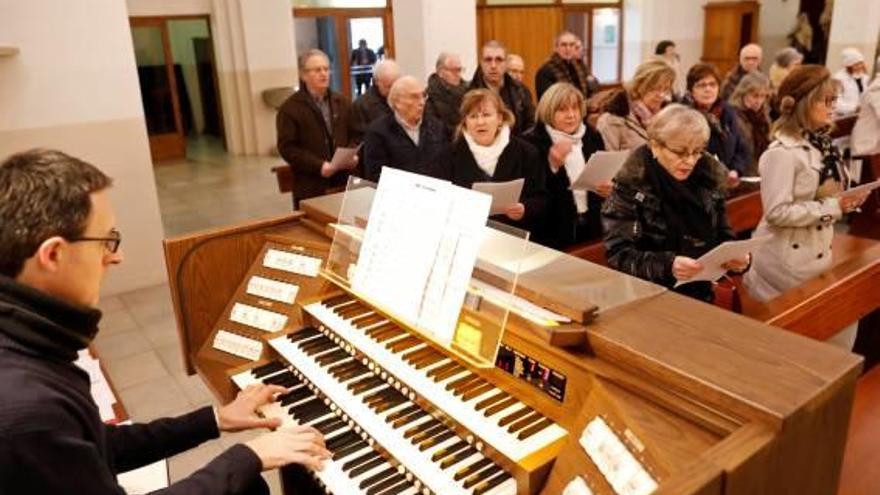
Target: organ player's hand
(684, 268)
(295, 445)
(241, 414)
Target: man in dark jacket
(362, 59)
(750, 58)
(311, 124)
(409, 139)
(446, 88)
(374, 103)
(57, 241)
(565, 66)
(492, 74)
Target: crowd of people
(692, 136)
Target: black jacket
(726, 140)
(518, 160)
(637, 239)
(52, 440)
(517, 98)
(560, 226)
(370, 107)
(444, 102)
(386, 144)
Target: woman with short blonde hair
(627, 115)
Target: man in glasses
(492, 74)
(58, 239)
(750, 58)
(565, 66)
(446, 88)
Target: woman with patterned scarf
(801, 174)
(725, 141)
(750, 99)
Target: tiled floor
(138, 341)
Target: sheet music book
(601, 168)
(503, 194)
(724, 252)
(419, 249)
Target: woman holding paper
(485, 151)
(564, 145)
(667, 207)
(803, 176)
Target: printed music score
(292, 262)
(262, 319)
(272, 289)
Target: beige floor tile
(137, 368)
(119, 345)
(172, 358)
(153, 399)
(112, 303)
(116, 321)
(163, 332)
(195, 390)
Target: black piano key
(295, 396)
(385, 484)
(461, 382)
(387, 334)
(421, 427)
(535, 428)
(427, 433)
(398, 488)
(403, 412)
(337, 300)
(267, 369)
(329, 425)
(380, 394)
(487, 473)
(313, 343)
(344, 452)
(318, 348)
(448, 372)
(436, 440)
(409, 419)
(308, 411)
(378, 477)
(390, 403)
(333, 357)
(352, 311)
(472, 468)
(411, 355)
(342, 440)
(497, 408)
(286, 380)
(424, 362)
(443, 453)
(491, 483)
(403, 344)
(521, 423)
(477, 391)
(467, 387)
(367, 466)
(457, 457)
(305, 333)
(343, 372)
(361, 460)
(381, 328)
(365, 384)
(510, 418)
(501, 395)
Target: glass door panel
(369, 31)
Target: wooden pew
(867, 223)
(860, 475)
(284, 178)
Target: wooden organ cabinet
(661, 394)
(728, 27)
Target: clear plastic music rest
(426, 272)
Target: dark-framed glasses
(111, 242)
(683, 153)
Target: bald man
(374, 103)
(409, 139)
(750, 58)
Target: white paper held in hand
(343, 157)
(713, 260)
(870, 186)
(601, 168)
(503, 194)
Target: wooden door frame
(340, 17)
(588, 9)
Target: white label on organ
(272, 289)
(268, 321)
(577, 486)
(619, 466)
(291, 262)
(238, 345)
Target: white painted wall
(777, 20)
(141, 8)
(76, 72)
(424, 28)
(181, 32)
(647, 22)
(854, 23)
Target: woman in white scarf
(564, 145)
(485, 151)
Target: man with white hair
(854, 80)
(750, 58)
(446, 88)
(374, 103)
(408, 139)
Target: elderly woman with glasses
(802, 173)
(667, 207)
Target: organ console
(655, 393)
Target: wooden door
(527, 31)
(159, 88)
(728, 27)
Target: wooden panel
(860, 475)
(722, 36)
(204, 269)
(526, 31)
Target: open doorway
(178, 81)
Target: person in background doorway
(750, 100)
(802, 171)
(374, 103)
(668, 52)
(446, 88)
(750, 58)
(492, 74)
(565, 66)
(408, 139)
(865, 138)
(667, 207)
(361, 64)
(311, 124)
(486, 150)
(726, 141)
(854, 79)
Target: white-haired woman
(667, 207)
(801, 173)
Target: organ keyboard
(701, 401)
